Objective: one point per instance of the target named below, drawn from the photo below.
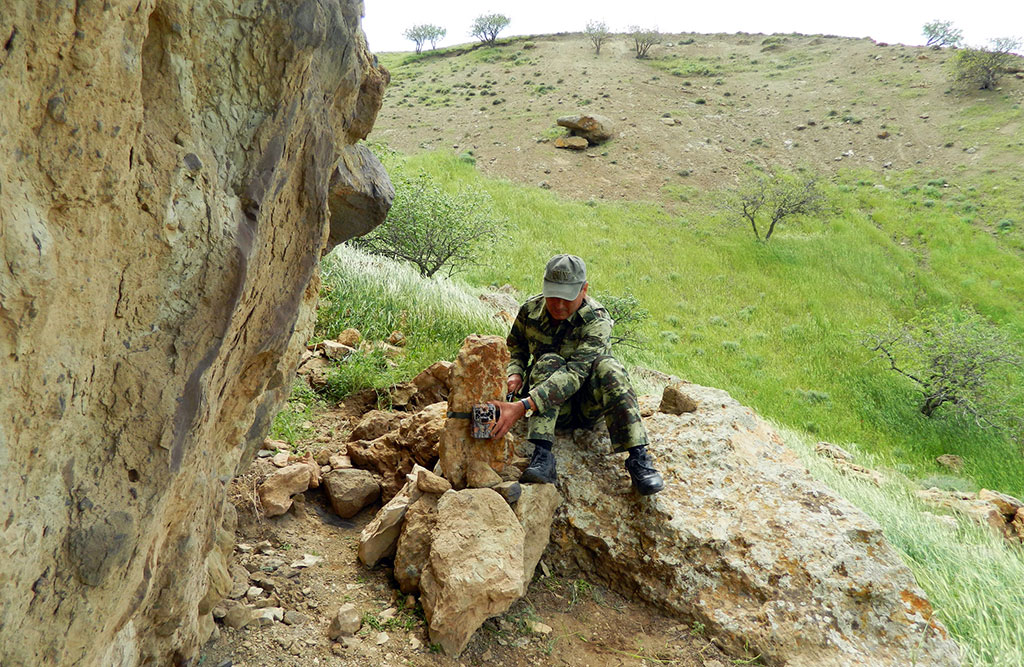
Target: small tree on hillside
(486, 27)
(436, 34)
(432, 228)
(983, 66)
(958, 359)
(597, 31)
(942, 33)
(766, 199)
(643, 39)
(423, 33)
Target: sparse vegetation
(598, 33)
(768, 198)
(487, 26)
(422, 33)
(643, 39)
(942, 33)
(431, 228)
(981, 67)
(956, 358)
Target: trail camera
(484, 419)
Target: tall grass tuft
(972, 576)
(378, 296)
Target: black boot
(645, 478)
(542, 467)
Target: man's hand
(515, 383)
(510, 413)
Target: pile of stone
(467, 537)
(264, 588)
(1002, 512)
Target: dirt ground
(827, 102)
(563, 620)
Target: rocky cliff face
(163, 205)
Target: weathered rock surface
(476, 566)
(675, 399)
(374, 424)
(277, 490)
(592, 127)
(535, 511)
(997, 510)
(360, 194)
(478, 377)
(951, 461)
(572, 143)
(394, 454)
(745, 541)
(350, 490)
(164, 202)
(413, 551)
(380, 537)
(345, 622)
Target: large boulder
(745, 541)
(475, 569)
(592, 127)
(478, 377)
(164, 199)
(360, 194)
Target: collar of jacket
(587, 311)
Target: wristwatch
(526, 404)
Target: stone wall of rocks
(163, 206)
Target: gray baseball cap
(564, 277)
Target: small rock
(540, 628)
(388, 614)
(350, 490)
(280, 459)
(308, 560)
(339, 462)
(831, 451)
(572, 143)
(238, 590)
(676, 400)
(479, 475)
(254, 592)
(239, 616)
(346, 622)
(510, 491)
(397, 338)
(350, 337)
(381, 639)
(337, 351)
(414, 643)
(669, 121)
(428, 482)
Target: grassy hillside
(925, 182)
(779, 325)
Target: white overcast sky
(893, 21)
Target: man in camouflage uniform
(560, 342)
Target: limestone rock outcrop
(477, 377)
(475, 569)
(164, 201)
(745, 541)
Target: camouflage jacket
(579, 340)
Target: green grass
(377, 297)
(769, 321)
(972, 576)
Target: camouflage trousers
(607, 392)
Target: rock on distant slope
(163, 204)
(746, 542)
